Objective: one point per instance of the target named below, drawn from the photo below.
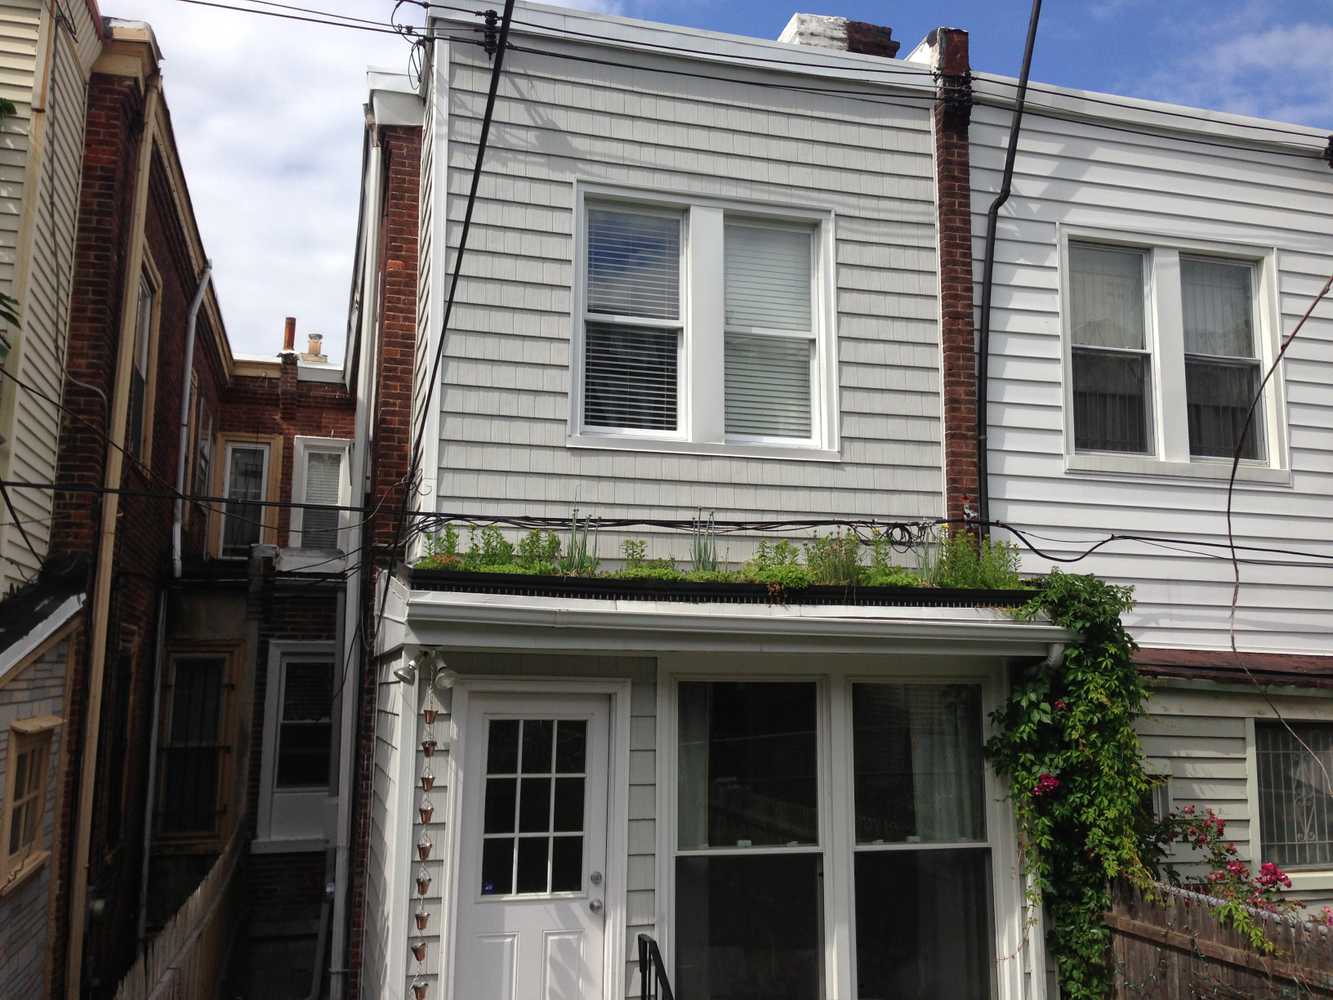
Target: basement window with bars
(702, 327)
(1294, 761)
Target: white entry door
(532, 900)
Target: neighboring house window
(632, 330)
(143, 331)
(203, 449)
(1166, 350)
(703, 325)
(751, 838)
(305, 726)
(25, 799)
(246, 486)
(193, 745)
(320, 478)
(1221, 361)
(1112, 366)
(1295, 818)
(297, 758)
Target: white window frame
(232, 445)
(303, 447)
(1164, 341)
(700, 399)
(1018, 935)
(269, 837)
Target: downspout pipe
(190, 328)
(988, 278)
(150, 798)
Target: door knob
(595, 905)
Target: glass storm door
(534, 848)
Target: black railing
(653, 981)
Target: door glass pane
(497, 866)
(748, 764)
(923, 925)
(502, 747)
(749, 927)
(532, 864)
(571, 745)
(534, 805)
(537, 734)
(569, 805)
(500, 802)
(567, 864)
(918, 763)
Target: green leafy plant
(703, 544)
(539, 551)
(779, 565)
(834, 559)
(1065, 741)
(955, 558)
(580, 555)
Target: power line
(351, 24)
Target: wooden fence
(187, 959)
(1169, 946)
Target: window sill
(30, 866)
(1311, 880)
(1142, 466)
(311, 561)
(796, 453)
(288, 845)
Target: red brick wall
(392, 423)
(952, 114)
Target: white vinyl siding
(505, 435)
(39, 193)
(770, 332)
(1208, 202)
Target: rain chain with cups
(438, 676)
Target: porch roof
(536, 622)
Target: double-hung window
(143, 332)
(23, 815)
(703, 327)
(320, 486)
(247, 484)
(1166, 349)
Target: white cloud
(268, 118)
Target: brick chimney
(823, 32)
(315, 350)
(289, 336)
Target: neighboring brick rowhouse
(953, 113)
(392, 419)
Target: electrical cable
(351, 25)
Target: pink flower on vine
(1046, 783)
(1270, 876)
(1328, 916)
(1061, 705)
(1188, 811)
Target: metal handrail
(653, 981)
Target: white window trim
(1164, 342)
(279, 653)
(226, 490)
(1018, 935)
(700, 397)
(302, 447)
(1302, 879)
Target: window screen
(632, 327)
(770, 336)
(1221, 368)
(1111, 363)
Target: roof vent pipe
(987, 280)
(289, 335)
(190, 327)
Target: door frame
(617, 692)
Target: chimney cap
(289, 335)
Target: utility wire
(351, 24)
(1231, 538)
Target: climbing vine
(1065, 741)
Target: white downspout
(190, 327)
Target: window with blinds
(323, 485)
(632, 320)
(1221, 359)
(769, 346)
(1112, 366)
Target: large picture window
(756, 846)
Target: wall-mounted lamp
(407, 674)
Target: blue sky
(267, 113)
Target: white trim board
(47, 627)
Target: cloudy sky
(268, 113)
